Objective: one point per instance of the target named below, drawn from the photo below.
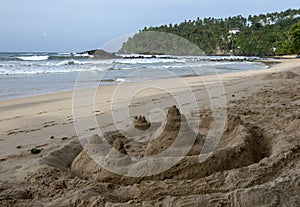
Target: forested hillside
(260, 35)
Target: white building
(234, 30)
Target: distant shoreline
(273, 65)
(30, 74)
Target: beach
(254, 163)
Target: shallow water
(27, 74)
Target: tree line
(268, 34)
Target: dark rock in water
(101, 54)
(151, 53)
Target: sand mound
(205, 119)
(63, 157)
(281, 75)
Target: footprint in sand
(42, 112)
(32, 130)
(13, 131)
(69, 118)
(99, 114)
(67, 123)
(49, 123)
(91, 129)
(136, 104)
(43, 145)
(185, 104)
(16, 117)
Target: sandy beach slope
(254, 163)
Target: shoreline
(269, 63)
(49, 83)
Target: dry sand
(255, 162)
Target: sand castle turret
(174, 131)
(140, 122)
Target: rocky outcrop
(101, 54)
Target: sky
(79, 25)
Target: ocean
(28, 74)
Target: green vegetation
(260, 35)
(295, 33)
(292, 44)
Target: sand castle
(174, 127)
(241, 145)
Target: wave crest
(34, 58)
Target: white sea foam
(25, 63)
(81, 55)
(34, 58)
(148, 61)
(120, 80)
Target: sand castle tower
(100, 160)
(95, 149)
(140, 122)
(114, 165)
(117, 157)
(175, 132)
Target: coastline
(46, 121)
(60, 75)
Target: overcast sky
(77, 25)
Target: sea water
(28, 74)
